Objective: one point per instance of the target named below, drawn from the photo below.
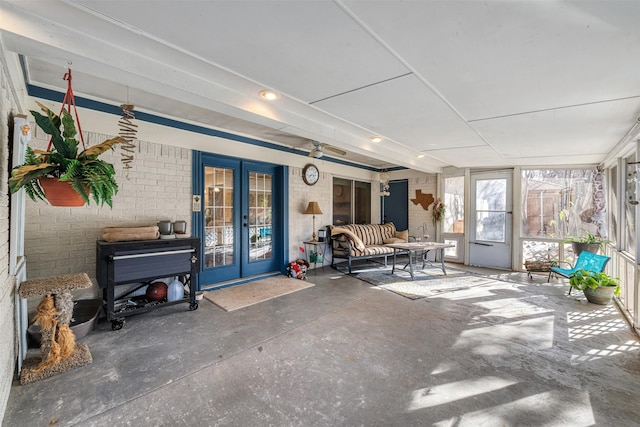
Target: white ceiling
(467, 83)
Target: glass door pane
(219, 229)
(491, 201)
(454, 201)
(260, 216)
(341, 201)
(362, 206)
(351, 202)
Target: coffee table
(414, 248)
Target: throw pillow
(403, 235)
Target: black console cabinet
(143, 261)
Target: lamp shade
(313, 209)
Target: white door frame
(17, 260)
(485, 251)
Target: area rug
(241, 296)
(427, 282)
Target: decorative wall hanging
(438, 212)
(128, 131)
(423, 199)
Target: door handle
(481, 244)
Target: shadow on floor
(513, 351)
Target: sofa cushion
(391, 240)
(377, 250)
(366, 239)
(372, 234)
(404, 235)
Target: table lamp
(313, 209)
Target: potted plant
(587, 242)
(63, 167)
(599, 288)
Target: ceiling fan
(319, 149)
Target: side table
(315, 252)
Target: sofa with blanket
(364, 241)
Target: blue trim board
(284, 206)
(52, 95)
(196, 216)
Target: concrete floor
(344, 353)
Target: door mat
(427, 283)
(240, 296)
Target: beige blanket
(359, 245)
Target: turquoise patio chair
(586, 261)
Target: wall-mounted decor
(438, 212)
(423, 199)
(310, 174)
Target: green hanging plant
(87, 175)
(438, 212)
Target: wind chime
(128, 131)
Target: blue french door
(395, 206)
(240, 219)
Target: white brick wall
(419, 217)
(300, 194)
(63, 240)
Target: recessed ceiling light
(420, 155)
(375, 138)
(269, 95)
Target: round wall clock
(310, 174)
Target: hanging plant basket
(60, 193)
(67, 158)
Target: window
(351, 202)
(218, 214)
(557, 203)
(491, 206)
(613, 201)
(454, 202)
(630, 207)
